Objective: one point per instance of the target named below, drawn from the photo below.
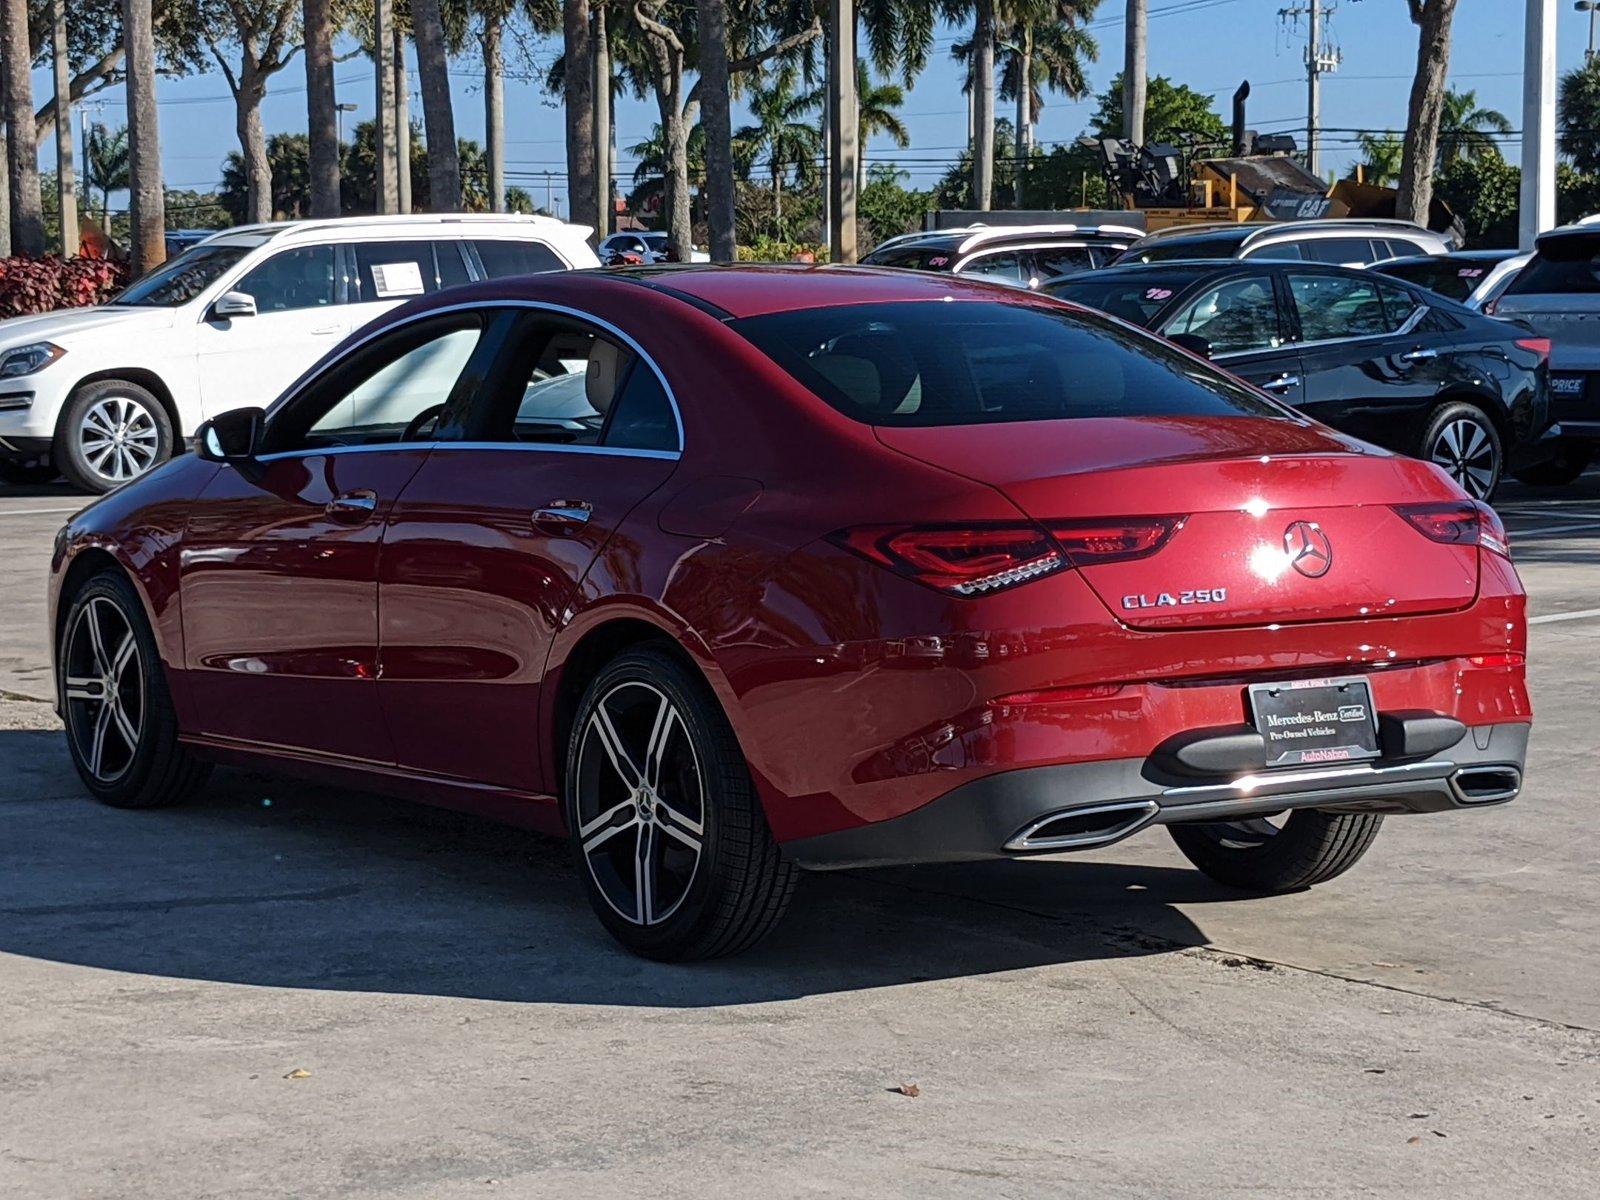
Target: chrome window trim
(552, 448)
(472, 306)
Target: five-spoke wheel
(664, 821)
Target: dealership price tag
(397, 279)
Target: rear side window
(1563, 266)
(503, 257)
(1062, 260)
(1004, 267)
(1449, 277)
(641, 415)
(1338, 251)
(1337, 306)
(397, 269)
(1280, 250)
(974, 362)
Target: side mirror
(230, 437)
(233, 304)
(1193, 343)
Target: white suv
(104, 394)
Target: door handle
(1418, 355)
(566, 516)
(352, 507)
(324, 330)
(1282, 383)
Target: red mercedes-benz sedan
(726, 572)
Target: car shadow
(268, 882)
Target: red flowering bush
(37, 285)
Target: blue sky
(1208, 44)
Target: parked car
(1022, 255)
(1339, 242)
(649, 245)
(1557, 295)
(833, 567)
(1475, 278)
(104, 394)
(1377, 358)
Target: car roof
(334, 228)
(1490, 256)
(1249, 231)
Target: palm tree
(1381, 158)
(578, 95)
(782, 132)
(1046, 48)
(146, 197)
(983, 43)
(716, 119)
(1466, 131)
(106, 166)
(877, 106)
(1415, 190)
(322, 117)
(16, 61)
(438, 114)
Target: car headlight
(25, 360)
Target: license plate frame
(1297, 732)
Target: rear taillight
(975, 560)
(1508, 659)
(1458, 522)
(1539, 345)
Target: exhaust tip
(1486, 785)
(1083, 828)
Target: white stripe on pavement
(35, 512)
(1576, 525)
(1579, 615)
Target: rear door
(1372, 366)
(490, 540)
(381, 274)
(1242, 320)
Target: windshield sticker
(939, 260)
(1158, 293)
(1470, 272)
(397, 279)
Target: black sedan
(1383, 360)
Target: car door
(1241, 320)
(300, 315)
(1371, 368)
(279, 565)
(488, 543)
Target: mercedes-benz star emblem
(1308, 549)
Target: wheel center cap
(646, 807)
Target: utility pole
(1134, 80)
(1321, 57)
(1538, 122)
(66, 186)
(843, 130)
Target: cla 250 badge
(1176, 599)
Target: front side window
(910, 258)
(396, 390)
(1280, 251)
(1336, 306)
(1138, 298)
(973, 362)
(292, 279)
(1239, 315)
(185, 277)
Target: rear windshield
(976, 362)
(1562, 266)
(1137, 300)
(1456, 279)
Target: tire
(25, 474)
(1308, 848)
(127, 754)
(110, 432)
(1462, 439)
(1569, 463)
(715, 882)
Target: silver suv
(1557, 295)
(1339, 242)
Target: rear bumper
(1076, 806)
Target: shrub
(38, 285)
(771, 250)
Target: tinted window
(912, 259)
(1449, 277)
(1337, 250)
(501, 257)
(292, 279)
(394, 270)
(1225, 246)
(452, 266)
(1337, 306)
(1562, 266)
(1061, 260)
(973, 362)
(184, 278)
(1137, 299)
(1240, 314)
(1398, 304)
(1281, 250)
(641, 415)
(1004, 267)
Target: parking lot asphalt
(280, 990)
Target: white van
(104, 394)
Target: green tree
(1483, 192)
(1578, 114)
(1380, 154)
(1171, 109)
(784, 138)
(888, 208)
(1466, 130)
(106, 153)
